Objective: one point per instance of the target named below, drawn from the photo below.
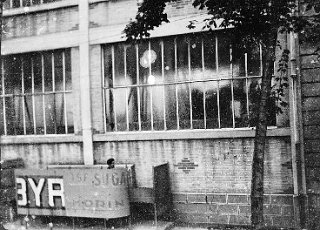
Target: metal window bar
(261, 63)
(104, 91)
(21, 3)
(112, 90)
(189, 84)
(33, 97)
(64, 92)
(164, 90)
(125, 80)
(54, 93)
(176, 77)
(205, 86)
(3, 100)
(218, 85)
(151, 87)
(247, 85)
(138, 86)
(232, 93)
(43, 96)
(23, 97)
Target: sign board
(95, 192)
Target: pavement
(141, 225)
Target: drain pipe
(298, 162)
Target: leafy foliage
(252, 20)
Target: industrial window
(181, 82)
(24, 3)
(35, 96)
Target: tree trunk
(257, 191)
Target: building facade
(74, 92)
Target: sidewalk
(37, 225)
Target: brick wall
(210, 179)
(40, 155)
(41, 23)
(310, 81)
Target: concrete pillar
(85, 95)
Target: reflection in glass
(181, 82)
(25, 97)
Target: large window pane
(182, 58)
(184, 82)
(29, 119)
(198, 104)
(13, 75)
(225, 97)
(39, 114)
(240, 103)
(58, 71)
(171, 106)
(69, 112)
(184, 106)
(120, 108)
(30, 79)
(212, 110)
(27, 74)
(209, 56)
(47, 65)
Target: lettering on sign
(40, 192)
(84, 192)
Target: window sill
(144, 135)
(40, 139)
(188, 134)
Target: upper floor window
(181, 82)
(25, 3)
(35, 94)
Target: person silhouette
(110, 163)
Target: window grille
(182, 82)
(35, 96)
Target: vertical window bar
(189, 84)
(11, 3)
(112, 90)
(205, 86)
(232, 93)
(64, 92)
(176, 80)
(53, 74)
(261, 63)
(151, 87)
(3, 100)
(104, 91)
(163, 80)
(33, 97)
(218, 90)
(21, 3)
(43, 96)
(247, 85)
(138, 84)
(125, 80)
(24, 97)
(54, 93)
